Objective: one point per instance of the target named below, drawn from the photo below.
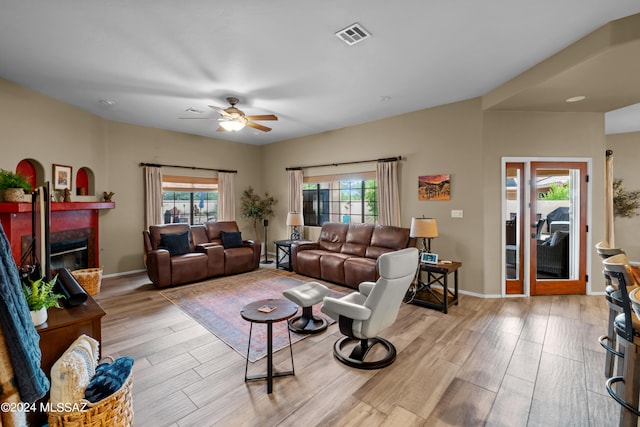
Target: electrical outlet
(456, 214)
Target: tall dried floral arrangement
(625, 203)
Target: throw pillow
(71, 373)
(108, 379)
(557, 236)
(175, 243)
(231, 239)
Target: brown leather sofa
(347, 253)
(179, 253)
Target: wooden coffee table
(283, 310)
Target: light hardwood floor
(494, 362)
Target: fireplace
(70, 221)
(70, 254)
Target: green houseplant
(256, 208)
(13, 185)
(40, 296)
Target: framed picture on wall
(434, 187)
(61, 177)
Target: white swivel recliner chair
(364, 314)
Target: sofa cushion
(332, 266)
(175, 243)
(215, 228)
(557, 236)
(333, 236)
(231, 239)
(357, 240)
(358, 270)
(387, 236)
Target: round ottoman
(306, 296)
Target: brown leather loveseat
(347, 253)
(179, 253)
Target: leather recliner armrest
(159, 267)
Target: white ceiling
(156, 59)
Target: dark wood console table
(62, 328)
(441, 297)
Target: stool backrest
(615, 269)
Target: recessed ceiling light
(107, 102)
(576, 98)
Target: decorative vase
(39, 316)
(14, 195)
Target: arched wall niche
(85, 182)
(32, 170)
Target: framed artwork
(434, 187)
(61, 177)
(429, 258)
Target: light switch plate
(456, 214)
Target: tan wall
(35, 126)
(446, 139)
(457, 138)
(626, 152)
(544, 136)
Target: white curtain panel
(388, 193)
(226, 196)
(609, 233)
(295, 190)
(152, 196)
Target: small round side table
(283, 310)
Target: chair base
(307, 323)
(359, 352)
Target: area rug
(216, 304)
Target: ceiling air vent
(353, 34)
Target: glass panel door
(514, 226)
(558, 234)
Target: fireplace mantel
(65, 216)
(12, 207)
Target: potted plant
(40, 296)
(256, 208)
(13, 186)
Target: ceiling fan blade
(262, 117)
(257, 126)
(219, 110)
(221, 129)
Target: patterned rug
(216, 304)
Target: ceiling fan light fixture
(231, 125)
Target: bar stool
(627, 329)
(612, 295)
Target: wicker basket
(90, 279)
(112, 411)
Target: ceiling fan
(232, 119)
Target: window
(336, 198)
(190, 200)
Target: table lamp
(295, 219)
(425, 228)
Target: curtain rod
(157, 165)
(387, 159)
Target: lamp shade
(295, 219)
(424, 227)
